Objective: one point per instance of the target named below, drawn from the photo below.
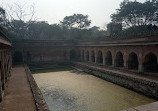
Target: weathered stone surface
(51, 52)
(148, 107)
(5, 62)
(136, 83)
(18, 95)
(131, 109)
(40, 102)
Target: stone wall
(139, 84)
(37, 51)
(137, 51)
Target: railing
(41, 105)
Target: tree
(2, 17)
(133, 13)
(77, 20)
(96, 32)
(114, 28)
(155, 2)
(42, 30)
(20, 17)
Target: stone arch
(108, 58)
(133, 61)
(150, 63)
(100, 57)
(87, 56)
(119, 59)
(18, 57)
(72, 54)
(92, 56)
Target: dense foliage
(2, 17)
(133, 13)
(77, 20)
(134, 16)
(41, 30)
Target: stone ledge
(148, 107)
(41, 105)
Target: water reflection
(77, 91)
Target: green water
(71, 90)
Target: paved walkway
(18, 95)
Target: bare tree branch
(20, 17)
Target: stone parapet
(38, 97)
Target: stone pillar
(81, 55)
(103, 58)
(5, 65)
(113, 60)
(90, 56)
(126, 64)
(95, 56)
(141, 61)
(3, 70)
(1, 93)
(95, 59)
(125, 59)
(114, 63)
(141, 68)
(85, 56)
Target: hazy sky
(53, 11)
